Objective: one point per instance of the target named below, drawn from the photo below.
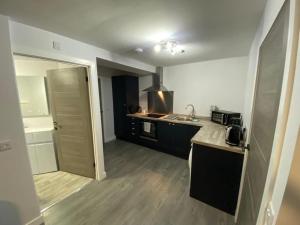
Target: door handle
(57, 126)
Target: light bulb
(157, 48)
(169, 45)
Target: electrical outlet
(5, 146)
(270, 214)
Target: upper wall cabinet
(32, 95)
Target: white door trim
(94, 102)
(36, 221)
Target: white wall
(16, 180)
(26, 66)
(18, 186)
(144, 82)
(217, 82)
(107, 107)
(33, 41)
(35, 67)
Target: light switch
(5, 146)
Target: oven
(148, 130)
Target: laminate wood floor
(143, 187)
(53, 187)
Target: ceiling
(207, 29)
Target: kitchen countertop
(210, 134)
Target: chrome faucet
(192, 114)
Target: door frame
(93, 92)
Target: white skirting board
(109, 139)
(36, 221)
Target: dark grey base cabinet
(175, 138)
(125, 98)
(171, 138)
(216, 176)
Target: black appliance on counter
(223, 117)
(235, 121)
(234, 135)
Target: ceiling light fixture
(169, 46)
(157, 48)
(139, 50)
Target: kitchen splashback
(160, 102)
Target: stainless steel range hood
(157, 81)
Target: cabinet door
(42, 136)
(125, 95)
(165, 136)
(29, 138)
(33, 159)
(216, 176)
(132, 91)
(46, 159)
(119, 105)
(182, 139)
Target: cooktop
(154, 115)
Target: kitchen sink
(182, 118)
(186, 118)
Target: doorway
(54, 100)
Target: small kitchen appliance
(223, 117)
(234, 135)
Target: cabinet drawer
(29, 138)
(44, 136)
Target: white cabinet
(46, 160)
(41, 152)
(29, 138)
(32, 158)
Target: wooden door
(265, 113)
(70, 108)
